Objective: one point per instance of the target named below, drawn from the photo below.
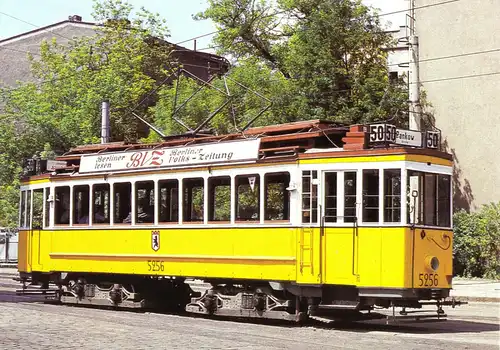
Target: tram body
(313, 232)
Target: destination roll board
(390, 134)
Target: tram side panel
(243, 253)
(24, 251)
(432, 258)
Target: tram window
(37, 208)
(145, 202)
(392, 195)
(350, 196)
(276, 196)
(432, 204)
(219, 198)
(62, 205)
(28, 208)
(169, 200)
(444, 202)
(81, 204)
(101, 199)
(47, 207)
(22, 209)
(247, 198)
(309, 196)
(330, 197)
(370, 195)
(193, 200)
(429, 207)
(122, 195)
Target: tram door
(309, 240)
(338, 226)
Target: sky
(178, 14)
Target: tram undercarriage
(249, 299)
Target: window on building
(330, 197)
(219, 198)
(144, 202)
(81, 201)
(101, 206)
(123, 203)
(309, 196)
(350, 196)
(276, 196)
(61, 205)
(429, 201)
(193, 200)
(247, 198)
(169, 200)
(37, 219)
(370, 195)
(392, 195)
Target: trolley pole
(415, 110)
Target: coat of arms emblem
(155, 240)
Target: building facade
(460, 74)
(15, 66)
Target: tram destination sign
(387, 133)
(223, 152)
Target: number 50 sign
(382, 133)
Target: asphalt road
(25, 323)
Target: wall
(464, 91)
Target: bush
(476, 250)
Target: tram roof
(283, 142)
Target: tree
(331, 51)
(121, 63)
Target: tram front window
(429, 199)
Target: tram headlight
(432, 263)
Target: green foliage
(331, 53)
(477, 242)
(121, 63)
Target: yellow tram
(284, 221)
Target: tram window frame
(122, 206)
(61, 193)
(144, 202)
(243, 182)
(170, 210)
(350, 197)
(330, 197)
(283, 180)
(309, 205)
(46, 203)
(101, 204)
(188, 187)
(28, 208)
(37, 214)
(371, 195)
(81, 205)
(392, 195)
(22, 209)
(431, 201)
(219, 200)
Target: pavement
(475, 289)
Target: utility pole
(415, 110)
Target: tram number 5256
(428, 280)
